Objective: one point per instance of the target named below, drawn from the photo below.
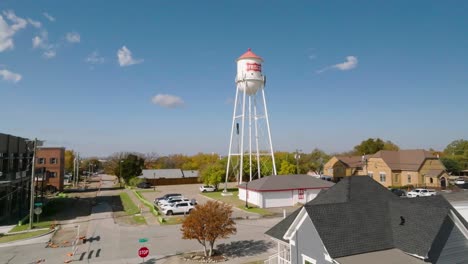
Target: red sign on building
(254, 67)
(301, 193)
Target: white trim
(296, 224)
(309, 259)
(458, 223)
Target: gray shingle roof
(286, 182)
(409, 159)
(279, 229)
(358, 215)
(162, 173)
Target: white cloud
(167, 100)
(49, 54)
(37, 42)
(35, 24)
(350, 63)
(312, 57)
(94, 58)
(8, 31)
(49, 17)
(73, 37)
(10, 76)
(125, 57)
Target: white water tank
(249, 77)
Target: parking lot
(192, 191)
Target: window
(52, 174)
(396, 177)
(383, 177)
(41, 160)
(308, 260)
(370, 174)
(53, 160)
(431, 180)
(409, 178)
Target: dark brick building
(15, 177)
(50, 163)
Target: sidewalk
(145, 211)
(6, 229)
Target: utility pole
(297, 156)
(74, 171)
(31, 206)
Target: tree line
(212, 167)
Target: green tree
(213, 174)
(457, 148)
(371, 146)
(131, 166)
(287, 168)
(452, 165)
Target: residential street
(109, 242)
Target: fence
(163, 181)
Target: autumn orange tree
(208, 222)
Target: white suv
(421, 193)
(207, 188)
(178, 208)
(170, 200)
(174, 201)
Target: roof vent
(402, 220)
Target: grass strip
(10, 238)
(148, 204)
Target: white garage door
(277, 199)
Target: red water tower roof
(249, 54)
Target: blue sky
(338, 72)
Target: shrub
(135, 181)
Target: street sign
(143, 240)
(143, 252)
(37, 204)
(38, 211)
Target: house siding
(376, 166)
(308, 242)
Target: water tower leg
(230, 141)
(242, 139)
(256, 136)
(269, 133)
(250, 137)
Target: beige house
(339, 167)
(419, 168)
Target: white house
(282, 190)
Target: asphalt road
(112, 243)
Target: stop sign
(143, 252)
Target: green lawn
(236, 202)
(129, 207)
(175, 220)
(10, 238)
(36, 225)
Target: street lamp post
(31, 206)
(120, 174)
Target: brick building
(50, 165)
(15, 177)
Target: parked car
(144, 185)
(207, 188)
(170, 200)
(173, 201)
(178, 208)
(421, 193)
(398, 192)
(460, 181)
(166, 197)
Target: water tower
(249, 107)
